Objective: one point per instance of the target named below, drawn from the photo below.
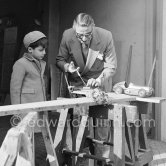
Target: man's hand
(72, 68)
(93, 83)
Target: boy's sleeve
(16, 83)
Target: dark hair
(84, 20)
(41, 42)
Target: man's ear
(30, 49)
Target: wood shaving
(100, 96)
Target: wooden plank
(51, 155)
(54, 105)
(3, 157)
(60, 127)
(129, 141)
(156, 100)
(110, 94)
(25, 151)
(131, 113)
(12, 142)
(143, 137)
(119, 136)
(124, 96)
(21, 161)
(28, 123)
(33, 147)
(9, 147)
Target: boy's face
(38, 52)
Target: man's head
(36, 43)
(83, 26)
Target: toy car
(141, 91)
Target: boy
(27, 82)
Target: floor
(158, 147)
(159, 152)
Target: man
(91, 49)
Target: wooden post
(119, 135)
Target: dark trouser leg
(40, 150)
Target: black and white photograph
(82, 82)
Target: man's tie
(85, 51)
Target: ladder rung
(129, 163)
(99, 142)
(142, 150)
(85, 155)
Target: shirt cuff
(66, 66)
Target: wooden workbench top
(57, 104)
(124, 96)
(147, 99)
(70, 103)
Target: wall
(21, 14)
(124, 18)
(126, 21)
(162, 75)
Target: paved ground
(159, 152)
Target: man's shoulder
(102, 31)
(68, 32)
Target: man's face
(84, 34)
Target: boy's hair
(84, 20)
(41, 42)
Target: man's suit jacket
(101, 60)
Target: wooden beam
(69, 103)
(156, 100)
(119, 135)
(56, 104)
(12, 142)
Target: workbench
(129, 136)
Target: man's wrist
(99, 81)
(66, 67)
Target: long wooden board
(69, 103)
(56, 104)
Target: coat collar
(31, 58)
(39, 65)
(95, 40)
